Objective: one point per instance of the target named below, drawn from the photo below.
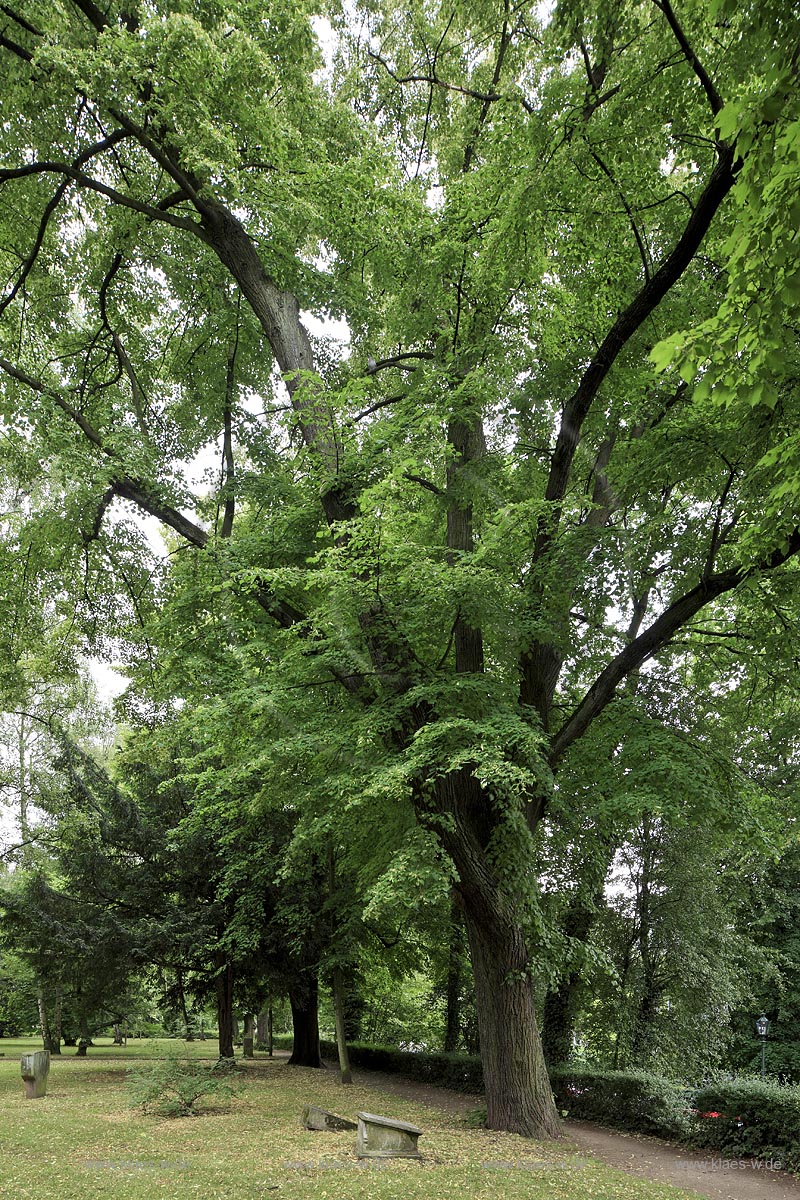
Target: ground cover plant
(83, 1141)
(178, 1085)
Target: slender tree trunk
(187, 1025)
(561, 1005)
(117, 1034)
(44, 1022)
(452, 1031)
(55, 1029)
(270, 1043)
(305, 1023)
(248, 1034)
(341, 1037)
(225, 1011)
(84, 1041)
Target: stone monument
(35, 1068)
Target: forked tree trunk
(305, 1025)
(225, 1011)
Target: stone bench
(321, 1119)
(381, 1137)
(35, 1068)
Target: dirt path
(700, 1171)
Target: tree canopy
(432, 561)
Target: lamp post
(762, 1025)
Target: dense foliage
(477, 599)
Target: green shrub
(633, 1100)
(175, 1085)
(754, 1118)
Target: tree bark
(305, 1023)
(518, 1093)
(225, 1011)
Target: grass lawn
(83, 1141)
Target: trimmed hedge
(632, 1100)
(755, 1119)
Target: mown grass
(82, 1142)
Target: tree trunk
(518, 1093)
(117, 1034)
(55, 1030)
(85, 1039)
(341, 1036)
(270, 1045)
(225, 1011)
(248, 1034)
(44, 1023)
(561, 1005)
(452, 1031)
(187, 1025)
(305, 1024)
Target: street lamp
(762, 1025)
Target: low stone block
(35, 1068)
(321, 1119)
(382, 1137)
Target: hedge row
(458, 1072)
(632, 1100)
(746, 1118)
(754, 1119)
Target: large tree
(491, 512)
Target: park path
(645, 1157)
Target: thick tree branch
(646, 300)
(93, 14)
(30, 261)
(95, 185)
(655, 638)
(21, 21)
(404, 361)
(711, 92)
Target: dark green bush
(633, 1100)
(755, 1119)
(175, 1085)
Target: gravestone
(320, 1119)
(381, 1137)
(35, 1068)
